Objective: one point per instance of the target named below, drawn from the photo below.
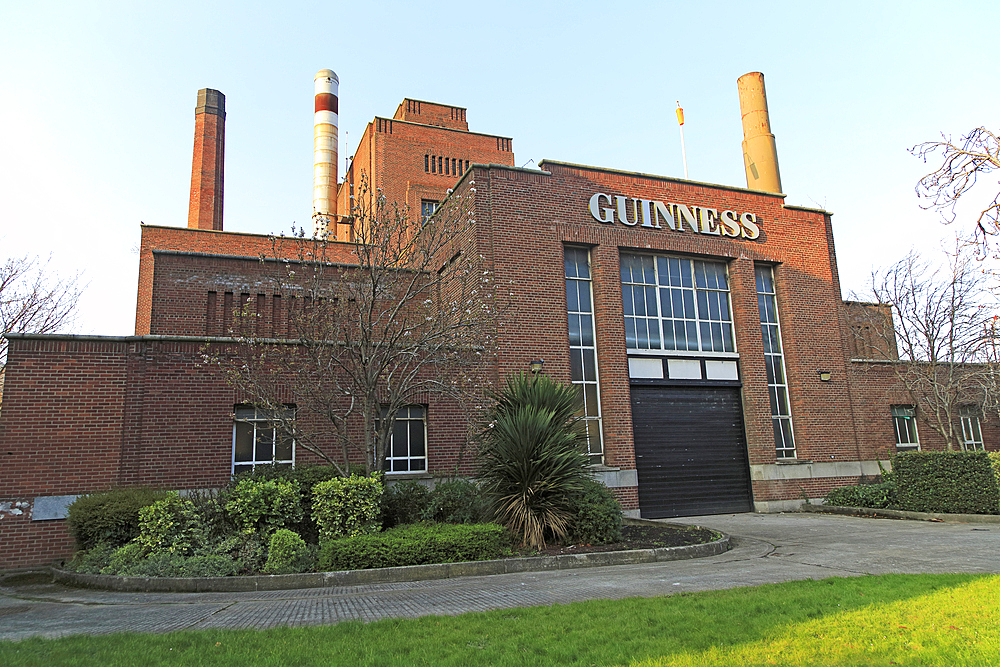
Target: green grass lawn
(887, 620)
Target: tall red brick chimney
(205, 209)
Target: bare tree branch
(937, 325)
(961, 164)
(412, 316)
(34, 299)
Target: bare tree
(410, 315)
(937, 324)
(34, 299)
(962, 163)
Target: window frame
(774, 362)
(654, 287)
(425, 204)
(905, 414)
(971, 427)
(260, 422)
(584, 371)
(406, 416)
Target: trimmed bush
(995, 464)
(264, 505)
(597, 516)
(952, 482)
(287, 553)
(416, 544)
(457, 501)
(343, 507)
(404, 502)
(171, 526)
(881, 495)
(111, 517)
(166, 564)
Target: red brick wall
(391, 155)
(209, 242)
(527, 217)
(86, 415)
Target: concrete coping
(901, 514)
(388, 575)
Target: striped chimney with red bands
(325, 152)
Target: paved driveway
(768, 548)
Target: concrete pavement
(768, 548)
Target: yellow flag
(680, 114)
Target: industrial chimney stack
(760, 154)
(325, 153)
(207, 169)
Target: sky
(97, 107)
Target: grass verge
(893, 619)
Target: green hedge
(952, 482)
(875, 496)
(416, 544)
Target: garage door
(690, 449)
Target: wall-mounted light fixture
(536, 366)
(825, 376)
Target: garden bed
(644, 536)
(685, 540)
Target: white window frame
(407, 461)
(774, 359)
(654, 287)
(972, 432)
(583, 348)
(905, 416)
(261, 424)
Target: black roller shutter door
(690, 449)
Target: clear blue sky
(97, 106)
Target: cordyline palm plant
(532, 461)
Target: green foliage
(111, 517)
(165, 564)
(953, 482)
(881, 495)
(171, 526)
(532, 460)
(995, 465)
(264, 505)
(124, 558)
(288, 553)
(308, 476)
(347, 506)
(404, 502)
(415, 544)
(597, 516)
(92, 561)
(457, 501)
(246, 551)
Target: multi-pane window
(583, 346)
(904, 420)
(257, 440)
(427, 208)
(674, 303)
(972, 434)
(774, 362)
(407, 447)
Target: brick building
(703, 323)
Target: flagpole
(680, 122)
